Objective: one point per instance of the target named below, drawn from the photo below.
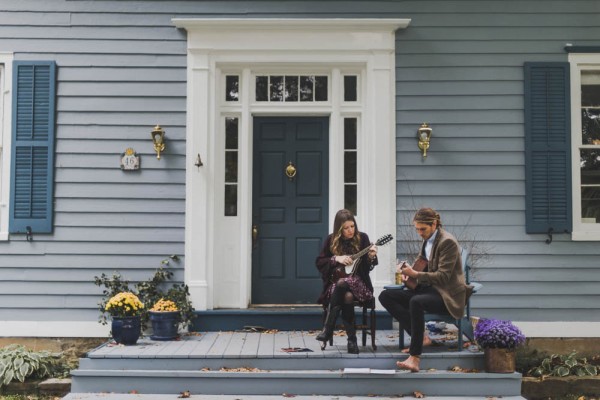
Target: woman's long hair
(341, 217)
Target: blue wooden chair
(464, 324)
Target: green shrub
(18, 363)
(564, 365)
(149, 292)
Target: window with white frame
(5, 139)
(585, 103)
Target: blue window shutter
(547, 148)
(32, 163)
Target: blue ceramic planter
(165, 325)
(126, 330)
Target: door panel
(289, 213)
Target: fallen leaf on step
(288, 395)
(184, 395)
(431, 370)
(490, 398)
(133, 392)
(205, 369)
(418, 395)
(241, 369)
(456, 368)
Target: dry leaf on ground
(184, 395)
(418, 395)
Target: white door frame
(218, 249)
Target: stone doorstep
(55, 386)
(49, 387)
(536, 388)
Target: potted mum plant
(165, 317)
(125, 309)
(499, 339)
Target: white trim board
(53, 329)
(218, 248)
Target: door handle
(254, 235)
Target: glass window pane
(262, 88)
(590, 204)
(590, 126)
(320, 88)
(230, 200)
(306, 88)
(231, 166)
(349, 167)
(590, 88)
(231, 133)
(232, 83)
(349, 133)
(291, 88)
(590, 166)
(350, 89)
(276, 88)
(350, 198)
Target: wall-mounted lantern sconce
(424, 136)
(158, 138)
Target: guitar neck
(360, 253)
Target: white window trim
(6, 60)
(579, 62)
(216, 46)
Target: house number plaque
(130, 161)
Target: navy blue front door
(289, 208)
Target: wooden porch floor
(266, 344)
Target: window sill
(586, 236)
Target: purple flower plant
(498, 334)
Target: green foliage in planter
(149, 292)
(18, 363)
(564, 365)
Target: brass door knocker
(290, 171)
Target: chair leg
(460, 334)
(373, 328)
(364, 326)
(400, 336)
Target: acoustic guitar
(420, 265)
(345, 271)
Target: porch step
(282, 318)
(206, 364)
(303, 382)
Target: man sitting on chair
(441, 287)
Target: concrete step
(301, 382)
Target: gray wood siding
(122, 69)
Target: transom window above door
(291, 88)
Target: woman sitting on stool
(339, 289)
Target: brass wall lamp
(424, 136)
(158, 138)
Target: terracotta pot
(500, 360)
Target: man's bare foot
(410, 364)
(426, 342)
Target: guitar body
(345, 271)
(420, 265)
